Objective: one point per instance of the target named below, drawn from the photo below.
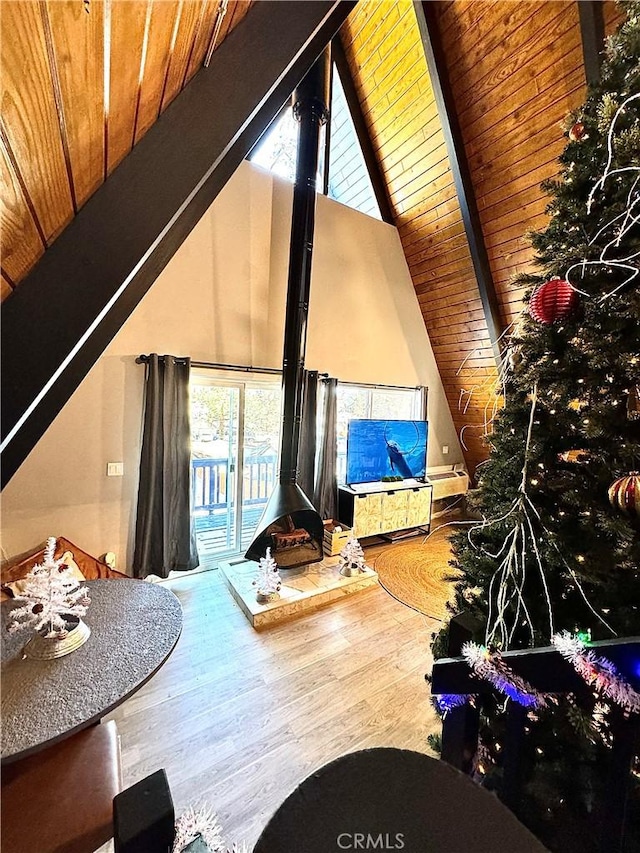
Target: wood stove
(290, 525)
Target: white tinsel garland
(50, 595)
(493, 669)
(598, 672)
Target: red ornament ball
(553, 301)
(624, 494)
(577, 132)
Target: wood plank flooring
(238, 718)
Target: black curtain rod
(212, 365)
(377, 385)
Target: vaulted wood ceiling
(83, 80)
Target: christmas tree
(267, 580)
(558, 547)
(49, 597)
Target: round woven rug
(418, 573)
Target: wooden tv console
(380, 508)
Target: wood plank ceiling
(516, 70)
(82, 82)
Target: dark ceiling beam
(592, 35)
(426, 14)
(59, 321)
(362, 132)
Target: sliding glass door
(235, 428)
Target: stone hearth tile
(303, 589)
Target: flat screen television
(382, 449)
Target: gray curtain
(308, 430)
(165, 534)
(326, 491)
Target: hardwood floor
(238, 718)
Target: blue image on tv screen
(377, 449)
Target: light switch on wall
(445, 449)
(115, 469)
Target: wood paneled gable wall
(515, 71)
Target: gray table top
(134, 627)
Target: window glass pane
(349, 181)
(356, 401)
(262, 421)
(352, 402)
(227, 502)
(393, 404)
(277, 151)
(214, 452)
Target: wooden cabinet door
(367, 515)
(419, 507)
(394, 510)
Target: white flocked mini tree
(267, 581)
(352, 561)
(49, 595)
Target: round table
(134, 627)
(393, 799)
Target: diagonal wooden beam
(353, 102)
(436, 63)
(63, 315)
(592, 35)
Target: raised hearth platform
(303, 590)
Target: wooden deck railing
(210, 482)
(547, 671)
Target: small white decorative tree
(352, 560)
(268, 580)
(200, 830)
(50, 595)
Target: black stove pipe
(287, 500)
(310, 110)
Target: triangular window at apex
(349, 181)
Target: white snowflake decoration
(49, 595)
(352, 560)
(267, 580)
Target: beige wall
(221, 298)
